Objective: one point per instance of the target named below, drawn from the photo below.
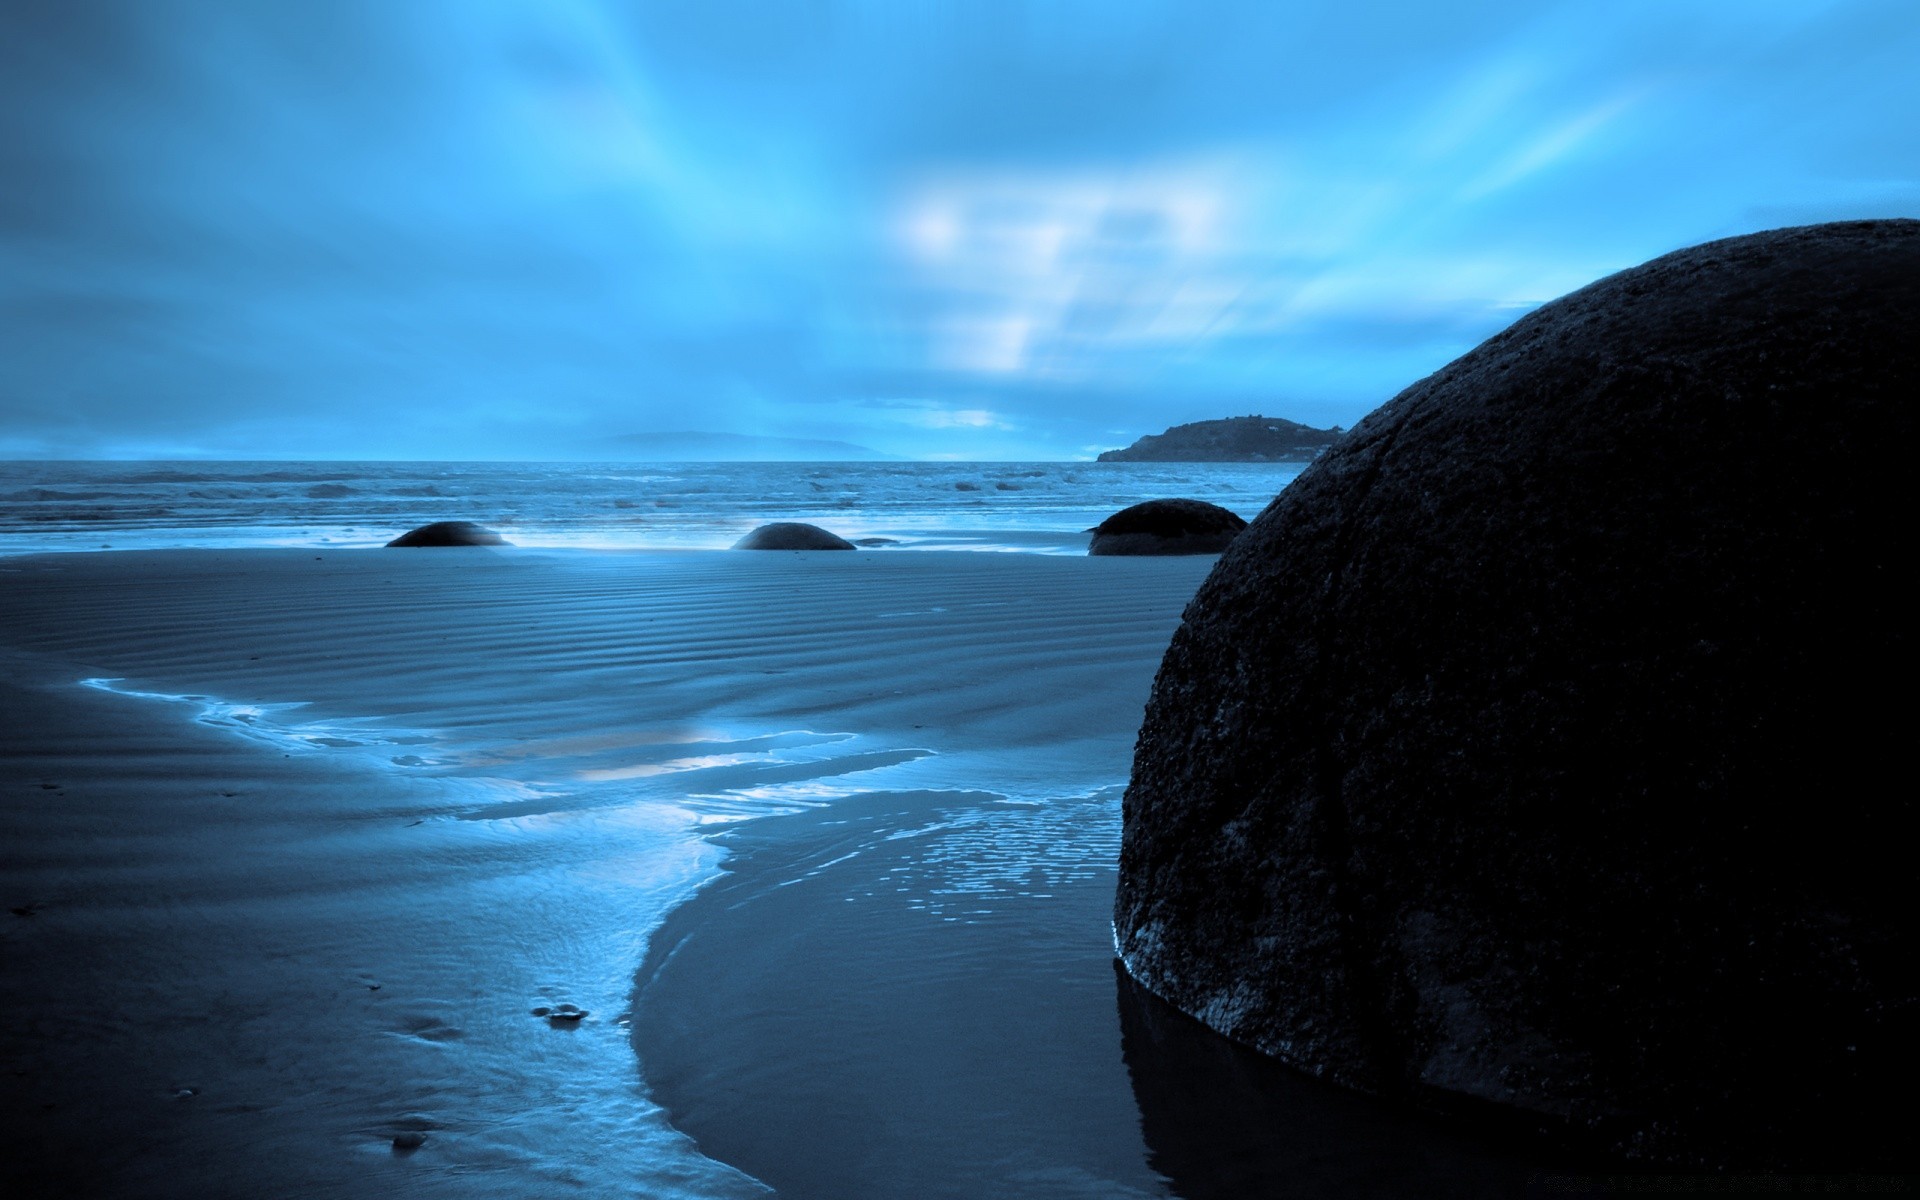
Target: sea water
(1043, 507)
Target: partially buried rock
(1167, 527)
(1529, 755)
(450, 533)
(792, 535)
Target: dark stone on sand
(1527, 757)
(408, 1142)
(1167, 527)
(450, 533)
(792, 535)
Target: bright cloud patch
(1042, 274)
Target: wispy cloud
(1045, 273)
(1549, 147)
(511, 226)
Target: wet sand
(309, 848)
(299, 864)
(914, 994)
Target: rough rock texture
(792, 535)
(1545, 750)
(1166, 527)
(1230, 439)
(450, 533)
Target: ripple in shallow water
(914, 994)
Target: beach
(496, 783)
(299, 841)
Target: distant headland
(1230, 439)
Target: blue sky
(549, 228)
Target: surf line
(264, 723)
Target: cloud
(495, 227)
(1543, 150)
(1044, 273)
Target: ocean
(1038, 507)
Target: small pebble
(412, 1140)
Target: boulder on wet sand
(1530, 756)
(792, 535)
(450, 533)
(1166, 527)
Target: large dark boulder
(450, 533)
(1166, 527)
(792, 535)
(1544, 751)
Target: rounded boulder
(792, 535)
(1540, 753)
(1166, 527)
(450, 533)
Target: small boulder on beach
(1166, 527)
(792, 535)
(450, 533)
(1532, 757)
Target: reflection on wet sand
(1223, 1122)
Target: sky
(554, 229)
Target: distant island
(1230, 439)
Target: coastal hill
(1230, 439)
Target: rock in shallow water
(1166, 527)
(450, 533)
(792, 535)
(1529, 754)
